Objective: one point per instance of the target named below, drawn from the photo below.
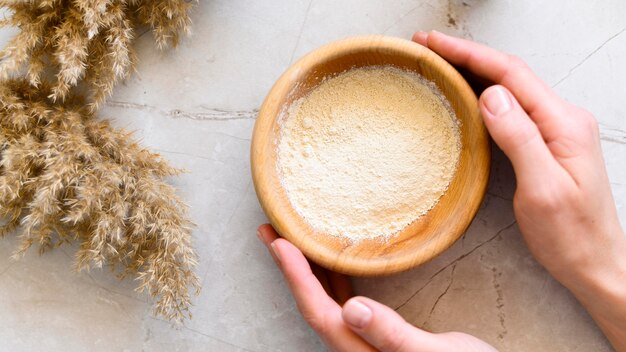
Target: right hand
(563, 202)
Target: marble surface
(196, 105)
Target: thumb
(384, 328)
(387, 331)
(516, 134)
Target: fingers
(309, 293)
(420, 38)
(363, 324)
(387, 331)
(267, 235)
(517, 135)
(545, 107)
(311, 298)
(320, 311)
(338, 286)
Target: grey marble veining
(196, 105)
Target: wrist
(599, 282)
(602, 291)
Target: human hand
(563, 202)
(362, 324)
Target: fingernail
(275, 250)
(497, 101)
(258, 234)
(356, 314)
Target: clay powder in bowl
(367, 152)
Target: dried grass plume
(86, 41)
(66, 175)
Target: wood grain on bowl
(426, 237)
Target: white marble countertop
(196, 105)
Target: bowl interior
(424, 238)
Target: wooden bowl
(426, 237)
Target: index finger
(317, 308)
(540, 102)
(310, 295)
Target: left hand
(361, 324)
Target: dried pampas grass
(65, 175)
(86, 40)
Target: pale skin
(563, 205)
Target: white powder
(367, 152)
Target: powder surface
(367, 152)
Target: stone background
(196, 105)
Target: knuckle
(317, 322)
(535, 204)
(549, 200)
(585, 128)
(587, 119)
(516, 68)
(544, 202)
(516, 61)
(520, 135)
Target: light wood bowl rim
(278, 210)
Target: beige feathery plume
(86, 41)
(65, 176)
